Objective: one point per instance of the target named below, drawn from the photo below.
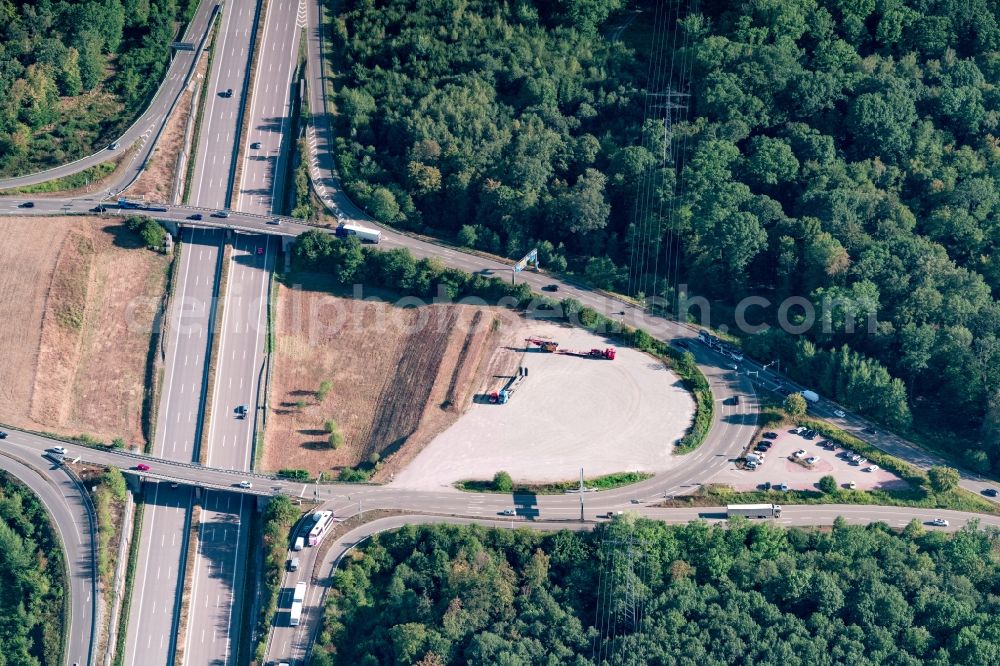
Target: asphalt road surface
(156, 598)
(147, 127)
(262, 185)
(220, 563)
(217, 140)
(63, 499)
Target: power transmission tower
(621, 601)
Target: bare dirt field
(780, 466)
(605, 416)
(398, 376)
(77, 300)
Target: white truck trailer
(811, 396)
(295, 615)
(364, 234)
(300, 592)
(753, 510)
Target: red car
(142, 467)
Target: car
(770, 435)
(989, 492)
(276, 220)
(195, 216)
(797, 430)
(293, 564)
(114, 146)
(761, 447)
(509, 512)
(228, 92)
(735, 400)
(3, 435)
(175, 485)
(98, 209)
(26, 204)
(221, 213)
(635, 500)
(852, 485)
(782, 486)
(765, 486)
(241, 411)
(809, 434)
(939, 522)
(61, 450)
(751, 465)
(550, 287)
(245, 484)
(839, 413)
(862, 461)
(855, 458)
(801, 453)
(869, 431)
(142, 467)
(812, 460)
(871, 468)
(255, 145)
(260, 250)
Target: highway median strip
(186, 582)
(213, 358)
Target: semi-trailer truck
(300, 592)
(753, 510)
(295, 615)
(364, 234)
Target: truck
(300, 592)
(322, 521)
(364, 234)
(753, 510)
(811, 396)
(295, 615)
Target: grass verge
(185, 609)
(248, 100)
(189, 174)
(88, 176)
(605, 482)
(213, 357)
(133, 559)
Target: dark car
(26, 204)
(241, 411)
(276, 220)
(3, 435)
(98, 209)
(228, 92)
(770, 435)
(220, 213)
(869, 431)
(761, 447)
(195, 216)
(990, 492)
(255, 145)
(550, 287)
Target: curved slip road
(63, 498)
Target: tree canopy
(752, 593)
(842, 152)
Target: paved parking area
(778, 468)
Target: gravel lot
(777, 468)
(605, 416)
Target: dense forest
(829, 149)
(74, 73)
(652, 594)
(32, 580)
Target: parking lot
(780, 465)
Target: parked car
(852, 485)
(939, 522)
(839, 413)
(770, 435)
(812, 460)
(142, 467)
(800, 453)
(760, 447)
(871, 468)
(782, 486)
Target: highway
(264, 167)
(147, 127)
(217, 140)
(156, 596)
(63, 498)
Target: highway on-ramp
(63, 498)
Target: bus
(322, 520)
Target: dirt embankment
(397, 377)
(77, 300)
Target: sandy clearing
(75, 332)
(398, 376)
(603, 416)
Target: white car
(800, 453)
(246, 484)
(61, 450)
(812, 460)
(852, 485)
(939, 522)
(862, 461)
(781, 486)
(839, 413)
(873, 468)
